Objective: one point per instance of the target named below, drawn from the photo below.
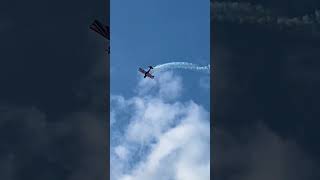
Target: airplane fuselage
(145, 74)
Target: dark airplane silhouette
(101, 29)
(147, 73)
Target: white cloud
(151, 119)
(121, 152)
(170, 86)
(167, 86)
(166, 139)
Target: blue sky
(150, 32)
(147, 115)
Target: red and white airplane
(146, 73)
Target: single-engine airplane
(101, 29)
(146, 73)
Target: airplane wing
(142, 71)
(150, 76)
(100, 29)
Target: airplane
(146, 73)
(101, 29)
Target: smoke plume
(182, 65)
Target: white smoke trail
(240, 12)
(181, 65)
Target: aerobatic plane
(146, 73)
(101, 29)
